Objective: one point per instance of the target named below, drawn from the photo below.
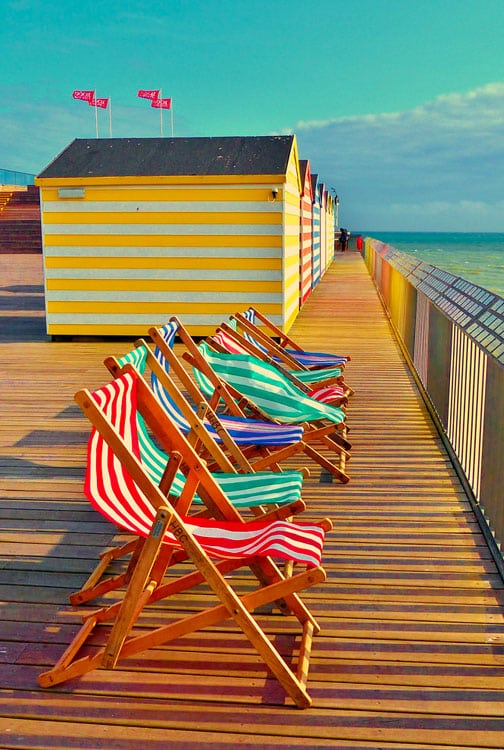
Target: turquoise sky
(340, 74)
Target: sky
(397, 104)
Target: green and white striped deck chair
(263, 384)
(272, 397)
(322, 385)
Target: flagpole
(161, 111)
(110, 116)
(96, 115)
(171, 111)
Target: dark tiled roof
(303, 166)
(124, 157)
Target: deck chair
(324, 368)
(118, 486)
(227, 339)
(328, 436)
(307, 359)
(258, 491)
(264, 385)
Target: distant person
(344, 235)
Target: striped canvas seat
(316, 375)
(112, 491)
(307, 358)
(243, 431)
(324, 393)
(263, 384)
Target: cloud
(435, 167)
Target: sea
(477, 257)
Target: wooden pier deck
(411, 653)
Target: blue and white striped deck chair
(308, 359)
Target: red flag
(103, 103)
(143, 94)
(85, 96)
(161, 103)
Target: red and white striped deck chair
(118, 486)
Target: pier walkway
(411, 652)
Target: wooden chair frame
(146, 584)
(284, 341)
(277, 352)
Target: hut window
(77, 192)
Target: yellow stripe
(73, 329)
(292, 299)
(167, 194)
(291, 262)
(291, 201)
(162, 285)
(114, 181)
(290, 320)
(273, 264)
(158, 240)
(292, 244)
(142, 308)
(292, 283)
(159, 217)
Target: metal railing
(452, 334)
(10, 177)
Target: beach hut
(330, 230)
(323, 228)
(315, 230)
(305, 232)
(138, 229)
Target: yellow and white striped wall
(123, 254)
